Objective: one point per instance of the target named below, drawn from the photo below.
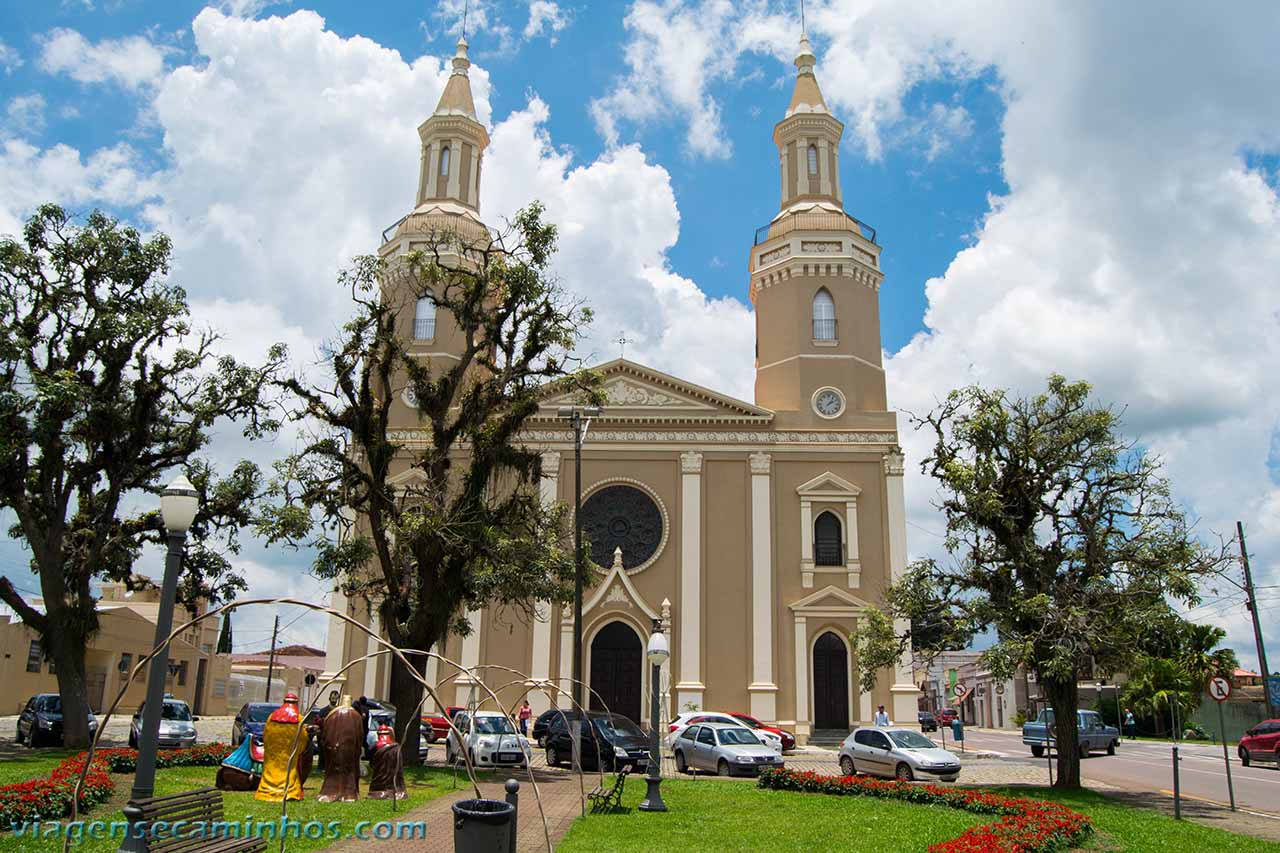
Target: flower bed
(50, 799)
(1025, 826)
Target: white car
(490, 739)
(898, 753)
(682, 722)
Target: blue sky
(1057, 188)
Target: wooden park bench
(197, 809)
(609, 799)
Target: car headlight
(619, 752)
(45, 724)
(488, 742)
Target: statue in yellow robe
(280, 737)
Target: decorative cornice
(716, 437)
(760, 463)
(691, 462)
(550, 463)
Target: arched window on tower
(813, 160)
(444, 162)
(828, 545)
(424, 319)
(824, 316)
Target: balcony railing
(814, 220)
(424, 330)
(824, 330)
(828, 553)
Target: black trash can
(483, 826)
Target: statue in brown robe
(386, 769)
(342, 739)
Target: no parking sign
(1219, 688)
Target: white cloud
(10, 59)
(132, 62)
(545, 17)
(26, 113)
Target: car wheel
(681, 765)
(17, 737)
(1084, 750)
(904, 773)
(133, 741)
(1244, 756)
(722, 768)
(33, 738)
(846, 766)
(1111, 747)
(553, 757)
(1037, 750)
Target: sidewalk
(561, 802)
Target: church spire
(808, 140)
(456, 98)
(806, 96)
(453, 142)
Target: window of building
(827, 541)
(182, 674)
(126, 663)
(813, 159)
(824, 316)
(424, 319)
(33, 656)
(444, 162)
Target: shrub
(50, 799)
(1020, 719)
(1025, 826)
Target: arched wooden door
(830, 683)
(617, 656)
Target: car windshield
(738, 737)
(750, 723)
(493, 726)
(52, 704)
(617, 726)
(912, 740)
(176, 711)
(259, 713)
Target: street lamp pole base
(652, 801)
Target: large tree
(1065, 544)
(1171, 675)
(105, 393)
(462, 525)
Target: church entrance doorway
(617, 657)
(830, 683)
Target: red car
(947, 716)
(1261, 743)
(438, 730)
(788, 739)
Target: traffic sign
(310, 679)
(999, 689)
(959, 689)
(1219, 688)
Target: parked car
(608, 741)
(40, 723)
(490, 739)
(928, 722)
(788, 739)
(768, 738)
(947, 716)
(1092, 732)
(250, 720)
(897, 753)
(724, 748)
(384, 714)
(177, 725)
(1261, 743)
(538, 733)
(434, 727)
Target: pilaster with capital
(689, 642)
(540, 662)
(904, 690)
(762, 689)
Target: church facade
(755, 533)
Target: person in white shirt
(881, 718)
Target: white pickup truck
(1091, 732)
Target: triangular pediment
(616, 591)
(828, 598)
(827, 484)
(635, 392)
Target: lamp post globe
(658, 653)
(179, 503)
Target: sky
(1072, 187)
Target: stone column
(824, 168)
(540, 662)
(454, 184)
(762, 689)
(690, 689)
(904, 690)
(473, 189)
(371, 665)
(470, 658)
(564, 698)
(803, 721)
(853, 562)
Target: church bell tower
(815, 278)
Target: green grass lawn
(711, 814)
(423, 784)
(31, 764)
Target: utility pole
(271, 659)
(1257, 626)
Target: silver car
(177, 725)
(898, 753)
(723, 748)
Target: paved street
(208, 729)
(1147, 767)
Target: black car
(611, 742)
(251, 719)
(928, 722)
(40, 723)
(540, 725)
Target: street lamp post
(579, 417)
(179, 503)
(658, 654)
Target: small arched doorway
(616, 669)
(830, 683)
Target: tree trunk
(406, 695)
(67, 653)
(1063, 696)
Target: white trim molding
(762, 688)
(829, 488)
(824, 606)
(904, 691)
(690, 688)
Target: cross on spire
(622, 340)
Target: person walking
(525, 713)
(881, 718)
(1130, 724)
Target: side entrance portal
(617, 656)
(830, 683)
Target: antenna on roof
(802, 26)
(466, 8)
